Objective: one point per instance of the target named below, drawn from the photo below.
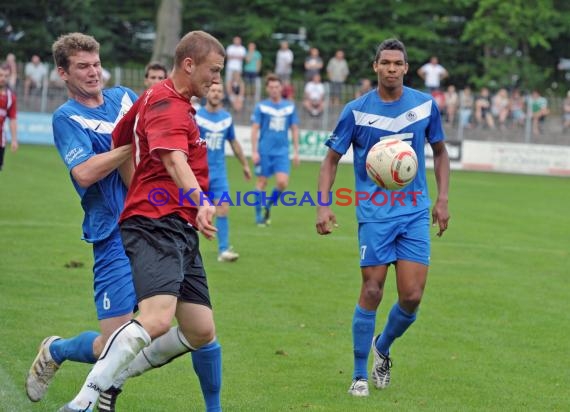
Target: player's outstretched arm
(238, 152)
(176, 164)
(99, 166)
(440, 213)
(326, 219)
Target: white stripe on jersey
(393, 124)
(284, 111)
(101, 126)
(214, 126)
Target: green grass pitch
(492, 333)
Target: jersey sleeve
(435, 129)
(124, 130)
(256, 115)
(231, 133)
(341, 137)
(71, 141)
(294, 119)
(168, 125)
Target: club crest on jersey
(411, 116)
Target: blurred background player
(271, 121)
(8, 108)
(154, 72)
(391, 234)
(216, 126)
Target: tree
(168, 28)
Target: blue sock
(363, 323)
(223, 233)
(207, 362)
(273, 200)
(398, 322)
(258, 217)
(77, 349)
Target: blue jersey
(365, 121)
(274, 120)
(216, 128)
(82, 132)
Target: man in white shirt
(284, 62)
(235, 54)
(35, 72)
(314, 99)
(432, 73)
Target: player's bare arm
(176, 164)
(440, 213)
(326, 219)
(295, 135)
(238, 152)
(99, 166)
(254, 140)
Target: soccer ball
(391, 164)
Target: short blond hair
(70, 44)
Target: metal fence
(51, 94)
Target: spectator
(439, 98)
(55, 80)
(314, 97)
(235, 90)
(365, 85)
(235, 55)
(35, 72)
(500, 106)
(432, 73)
(466, 102)
(12, 70)
(105, 76)
(517, 108)
(252, 69)
(313, 64)
(483, 109)
(451, 104)
(337, 70)
(284, 62)
(566, 112)
(539, 109)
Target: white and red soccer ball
(392, 164)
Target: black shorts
(165, 258)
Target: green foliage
(482, 42)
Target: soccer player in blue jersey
(396, 233)
(271, 121)
(82, 133)
(216, 127)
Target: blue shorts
(403, 238)
(269, 165)
(112, 278)
(218, 186)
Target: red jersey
(162, 119)
(7, 109)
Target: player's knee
(155, 326)
(410, 301)
(371, 294)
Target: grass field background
(492, 334)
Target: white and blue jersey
(80, 133)
(216, 128)
(414, 118)
(274, 120)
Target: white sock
(121, 348)
(161, 351)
